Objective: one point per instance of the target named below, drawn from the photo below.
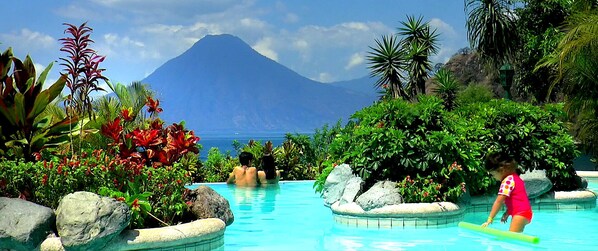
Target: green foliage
(16, 179)
(217, 167)
(428, 189)
(321, 178)
(46, 182)
(402, 64)
(474, 93)
(138, 202)
(446, 87)
(290, 160)
(574, 60)
(394, 139)
(490, 29)
(25, 128)
(539, 24)
(537, 138)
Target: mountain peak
(222, 85)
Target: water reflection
(264, 198)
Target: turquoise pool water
(292, 217)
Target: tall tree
(419, 41)
(576, 64)
(539, 25)
(491, 29)
(387, 61)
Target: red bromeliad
(146, 138)
(127, 114)
(153, 106)
(113, 130)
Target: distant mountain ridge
(222, 85)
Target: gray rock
(536, 183)
(383, 193)
(335, 183)
(24, 225)
(207, 203)
(86, 221)
(352, 189)
(582, 183)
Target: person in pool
(269, 175)
(244, 175)
(512, 192)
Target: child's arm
(500, 200)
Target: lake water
(225, 142)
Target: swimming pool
(292, 217)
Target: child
(512, 192)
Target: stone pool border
(205, 234)
(445, 214)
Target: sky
(325, 40)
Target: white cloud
(355, 60)
(253, 23)
(264, 47)
(443, 29)
(325, 77)
(291, 18)
(29, 40)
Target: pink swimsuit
(517, 202)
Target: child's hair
(497, 160)
(269, 166)
(245, 158)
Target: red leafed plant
(154, 145)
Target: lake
(225, 142)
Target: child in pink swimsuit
(511, 193)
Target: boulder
(207, 203)
(536, 183)
(87, 221)
(352, 189)
(24, 225)
(582, 183)
(383, 193)
(335, 183)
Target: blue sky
(325, 40)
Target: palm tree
(387, 61)
(491, 29)
(577, 71)
(420, 43)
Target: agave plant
(25, 128)
(446, 87)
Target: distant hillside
(364, 85)
(221, 85)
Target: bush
(537, 138)
(474, 93)
(217, 167)
(46, 182)
(395, 139)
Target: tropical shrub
(446, 87)
(395, 139)
(537, 138)
(155, 195)
(428, 189)
(217, 166)
(25, 128)
(474, 93)
(82, 68)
